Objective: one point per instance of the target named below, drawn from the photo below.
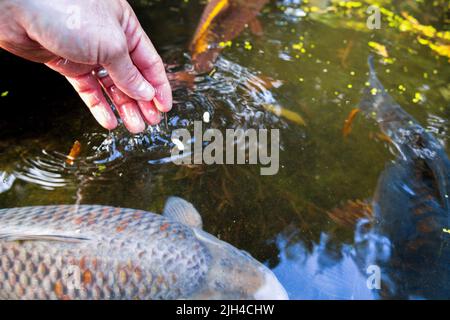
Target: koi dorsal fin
(182, 211)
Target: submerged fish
(222, 21)
(411, 205)
(100, 252)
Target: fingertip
(111, 125)
(163, 97)
(163, 107)
(151, 115)
(132, 119)
(136, 129)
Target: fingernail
(146, 91)
(158, 105)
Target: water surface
(282, 220)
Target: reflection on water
(302, 222)
(318, 274)
(6, 181)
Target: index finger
(149, 63)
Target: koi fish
(222, 21)
(100, 252)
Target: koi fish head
(232, 273)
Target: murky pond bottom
(287, 220)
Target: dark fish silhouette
(411, 206)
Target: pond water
(319, 58)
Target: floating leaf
(224, 44)
(350, 4)
(418, 97)
(428, 31)
(285, 113)
(379, 49)
(349, 121)
(441, 49)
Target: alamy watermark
(374, 279)
(374, 19)
(238, 146)
(74, 19)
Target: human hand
(93, 43)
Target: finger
(128, 78)
(129, 112)
(127, 107)
(151, 115)
(91, 93)
(149, 63)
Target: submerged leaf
(343, 53)
(380, 136)
(74, 153)
(351, 212)
(285, 113)
(349, 121)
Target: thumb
(128, 78)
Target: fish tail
(374, 82)
(379, 104)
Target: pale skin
(79, 38)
